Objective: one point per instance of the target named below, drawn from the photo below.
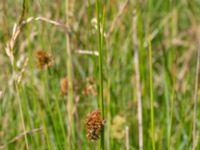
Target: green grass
(35, 115)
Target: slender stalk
(16, 84)
(137, 80)
(109, 116)
(70, 86)
(100, 45)
(172, 106)
(21, 115)
(194, 136)
(127, 137)
(44, 127)
(151, 94)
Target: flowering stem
(100, 45)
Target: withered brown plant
(94, 125)
(64, 86)
(44, 59)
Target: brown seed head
(94, 125)
(44, 59)
(64, 86)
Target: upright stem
(21, 114)
(127, 137)
(151, 94)
(172, 106)
(100, 44)
(137, 80)
(17, 85)
(70, 83)
(194, 140)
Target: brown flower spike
(44, 59)
(94, 125)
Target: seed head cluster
(64, 86)
(44, 59)
(94, 125)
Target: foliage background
(174, 29)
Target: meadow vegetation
(99, 74)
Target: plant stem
(137, 80)
(151, 94)
(70, 83)
(100, 45)
(16, 84)
(194, 138)
(21, 114)
(172, 106)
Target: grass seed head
(44, 59)
(64, 86)
(94, 125)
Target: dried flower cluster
(94, 125)
(44, 59)
(90, 88)
(64, 86)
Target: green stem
(21, 114)
(100, 45)
(172, 109)
(70, 104)
(151, 94)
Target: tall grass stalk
(70, 82)
(100, 37)
(21, 114)
(194, 136)
(127, 138)
(137, 80)
(151, 94)
(15, 71)
(44, 127)
(172, 105)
